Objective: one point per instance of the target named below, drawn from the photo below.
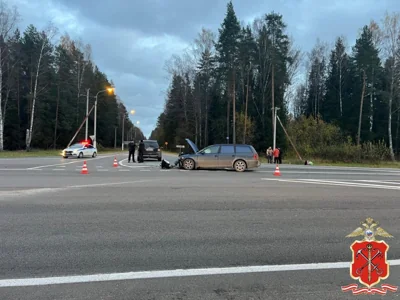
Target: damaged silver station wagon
(239, 157)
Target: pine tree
(228, 50)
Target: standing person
(280, 156)
(269, 155)
(131, 147)
(141, 151)
(276, 155)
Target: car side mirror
(201, 152)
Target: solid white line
(335, 183)
(175, 273)
(381, 181)
(68, 163)
(34, 191)
(332, 173)
(124, 170)
(133, 167)
(19, 170)
(352, 183)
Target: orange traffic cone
(84, 169)
(115, 165)
(277, 172)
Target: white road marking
(72, 162)
(58, 169)
(175, 273)
(332, 173)
(334, 183)
(102, 170)
(333, 168)
(5, 169)
(34, 191)
(381, 181)
(124, 170)
(133, 167)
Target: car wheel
(188, 164)
(65, 156)
(80, 155)
(94, 154)
(239, 166)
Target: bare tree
(391, 45)
(293, 66)
(9, 18)
(46, 36)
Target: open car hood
(192, 145)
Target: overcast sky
(131, 39)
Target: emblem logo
(369, 262)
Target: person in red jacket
(276, 155)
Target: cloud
(131, 40)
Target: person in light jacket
(269, 155)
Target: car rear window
(227, 149)
(243, 149)
(151, 144)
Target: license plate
(149, 149)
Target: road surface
(139, 232)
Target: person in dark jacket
(280, 156)
(141, 151)
(131, 148)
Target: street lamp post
(95, 114)
(276, 110)
(137, 123)
(87, 112)
(132, 112)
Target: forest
(337, 101)
(44, 80)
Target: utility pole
(123, 128)
(275, 114)
(234, 109)
(87, 112)
(115, 137)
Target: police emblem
(369, 262)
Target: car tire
(188, 164)
(240, 165)
(65, 156)
(94, 154)
(80, 155)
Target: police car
(80, 150)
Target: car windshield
(76, 146)
(151, 144)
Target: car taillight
(255, 156)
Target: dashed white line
(176, 273)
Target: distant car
(80, 150)
(152, 150)
(239, 157)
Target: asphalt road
(138, 232)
